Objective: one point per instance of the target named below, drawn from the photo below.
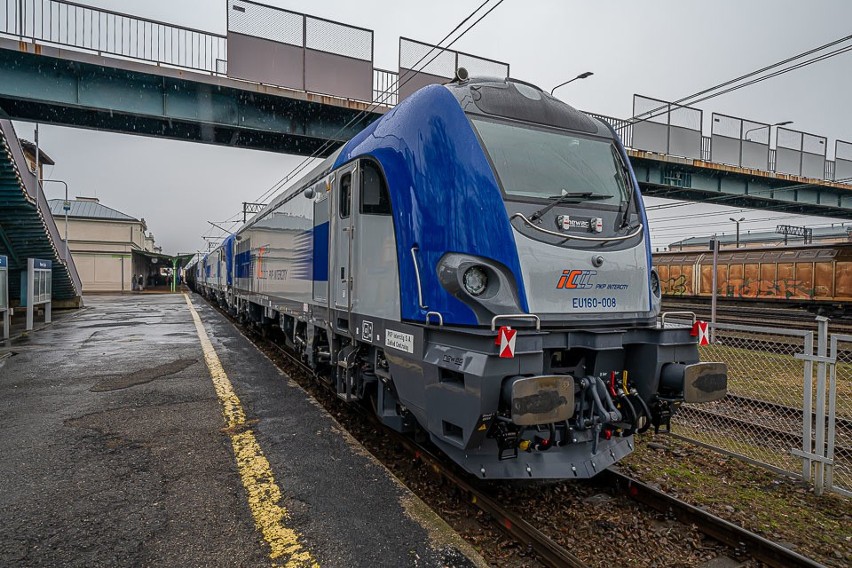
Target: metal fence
(385, 84)
(788, 407)
(624, 128)
(799, 153)
(113, 33)
(838, 439)
(842, 161)
(422, 64)
(739, 142)
(666, 128)
(289, 49)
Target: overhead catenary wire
(385, 95)
(689, 98)
(357, 119)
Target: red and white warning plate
(702, 330)
(506, 340)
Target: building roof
(30, 148)
(819, 233)
(88, 209)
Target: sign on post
(38, 289)
(4, 294)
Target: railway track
(747, 313)
(548, 551)
(843, 425)
(755, 433)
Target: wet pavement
(115, 453)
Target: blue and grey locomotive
(476, 265)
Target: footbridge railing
(272, 46)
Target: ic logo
(575, 279)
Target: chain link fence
(338, 39)
(839, 405)
(426, 58)
(422, 64)
(786, 409)
(266, 22)
(760, 419)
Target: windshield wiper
(568, 198)
(623, 178)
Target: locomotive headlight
(475, 280)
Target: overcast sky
(665, 49)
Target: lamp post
(782, 123)
(580, 76)
(66, 205)
(737, 221)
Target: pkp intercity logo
(576, 279)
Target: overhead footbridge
(27, 229)
(289, 82)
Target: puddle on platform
(118, 382)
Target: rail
(766, 551)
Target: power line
(384, 96)
(651, 114)
(805, 63)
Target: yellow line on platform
(262, 490)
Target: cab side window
(345, 195)
(375, 199)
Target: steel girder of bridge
(718, 184)
(71, 88)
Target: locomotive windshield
(544, 164)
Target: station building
(110, 249)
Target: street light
(783, 123)
(66, 205)
(737, 221)
(580, 76)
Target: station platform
(143, 430)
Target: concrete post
(30, 293)
(4, 298)
(819, 411)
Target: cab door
(344, 208)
